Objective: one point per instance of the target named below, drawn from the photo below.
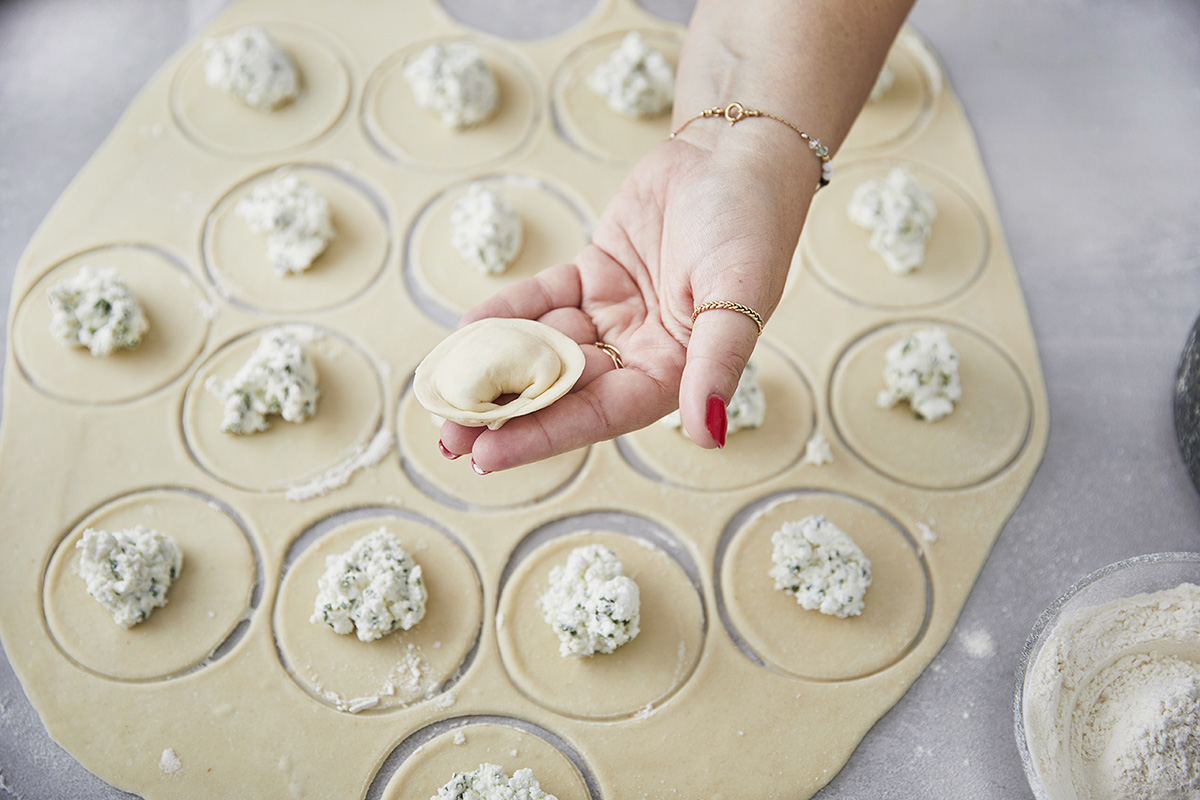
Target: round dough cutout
(808, 644)
(511, 746)
(403, 667)
(212, 595)
(750, 455)
(236, 257)
(906, 106)
(986, 431)
(176, 307)
(640, 674)
(405, 131)
(220, 122)
(419, 435)
(584, 116)
(838, 251)
(348, 415)
(555, 230)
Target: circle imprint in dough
(986, 431)
(427, 759)
(750, 455)
(636, 676)
(584, 117)
(405, 131)
(236, 257)
(222, 123)
(906, 106)
(348, 415)
(207, 605)
(455, 483)
(176, 306)
(808, 644)
(840, 256)
(555, 230)
(403, 667)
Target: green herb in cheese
(372, 589)
(922, 370)
(591, 604)
(485, 229)
(279, 378)
(295, 218)
(636, 80)
(96, 310)
(747, 408)
(248, 65)
(491, 782)
(821, 565)
(455, 82)
(899, 212)
(129, 571)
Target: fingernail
(446, 453)
(715, 420)
(478, 469)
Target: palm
(674, 230)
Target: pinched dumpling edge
(463, 344)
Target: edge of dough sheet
(734, 729)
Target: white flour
(1112, 704)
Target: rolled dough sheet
(809, 644)
(585, 117)
(555, 230)
(175, 306)
(838, 251)
(403, 667)
(403, 130)
(907, 106)
(269, 715)
(348, 415)
(635, 677)
(236, 257)
(205, 603)
(988, 428)
(225, 125)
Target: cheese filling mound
(922, 369)
(278, 378)
(295, 218)
(747, 408)
(129, 571)
(454, 81)
(248, 65)
(486, 230)
(372, 589)
(491, 782)
(899, 212)
(821, 565)
(591, 604)
(96, 310)
(636, 80)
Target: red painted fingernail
(478, 469)
(447, 453)
(715, 420)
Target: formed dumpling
(463, 377)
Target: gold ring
(725, 304)
(612, 352)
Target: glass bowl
(1138, 575)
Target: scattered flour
(363, 457)
(979, 643)
(169, 763)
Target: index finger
(617, 402)
(556, 287)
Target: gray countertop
(1087, 115)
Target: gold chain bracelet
(736, 112)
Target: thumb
(721, 344)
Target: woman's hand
(712, 215)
